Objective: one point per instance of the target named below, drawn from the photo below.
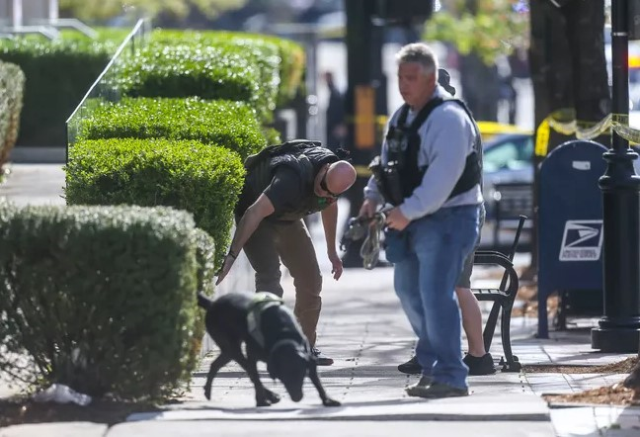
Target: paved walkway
(363, 328)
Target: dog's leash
(370, 229)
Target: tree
(104, 9)
(569, 75)
(481, 31)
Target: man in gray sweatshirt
(430, 144)
(477, 359)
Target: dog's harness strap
(260, 302)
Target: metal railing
(104, 88)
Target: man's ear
(431, 79)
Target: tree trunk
(585, 33)
(568, 70)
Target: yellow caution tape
(565, 123)
(542, 138)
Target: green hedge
(11, 96)
(268, 52)
(229, 124)
(190, 70)
(106, 34)
(100, 298)
(201, 179)
(58, 75)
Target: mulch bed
(624, 366)
(20, 410)
(611, 395)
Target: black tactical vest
(404, 147)
(306, 158)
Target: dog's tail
(203, 301)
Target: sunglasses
(323, 185)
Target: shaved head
(340, 177)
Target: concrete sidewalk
(364, 329)
(34, 184)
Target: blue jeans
(425, 283)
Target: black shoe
(480, 365)
(411, 367)
(321, 359)
(436, 390)
(423, 384)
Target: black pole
(619, 328)
(364, 68)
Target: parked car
(508, 158)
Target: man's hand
(336, 264)
(396, 220)
(226, 266)
(368, 209)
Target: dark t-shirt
(286, 193)
(285, 190)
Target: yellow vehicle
(489, 129)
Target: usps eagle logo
(582, 240)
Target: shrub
(201, 179)
(11, 95)
(292, 67)
(58, 75)
(101, 299)
(205, 256)
(191, 71)
(268, 52)
(230, 124)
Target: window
(513, 154)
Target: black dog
(271, 334)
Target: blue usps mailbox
(569, 222)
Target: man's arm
(330, 223)
(249, 222)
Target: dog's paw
(331, 403)
(207, 393)
(272, 397)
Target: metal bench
(502, 298)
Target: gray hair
(419, 53)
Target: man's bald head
(340, 177)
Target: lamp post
(618, 330)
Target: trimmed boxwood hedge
(268, 51)
(229, 124)
(202, 179)
(11, 96)
(101, 299)
(58, 75)
(189, 70)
